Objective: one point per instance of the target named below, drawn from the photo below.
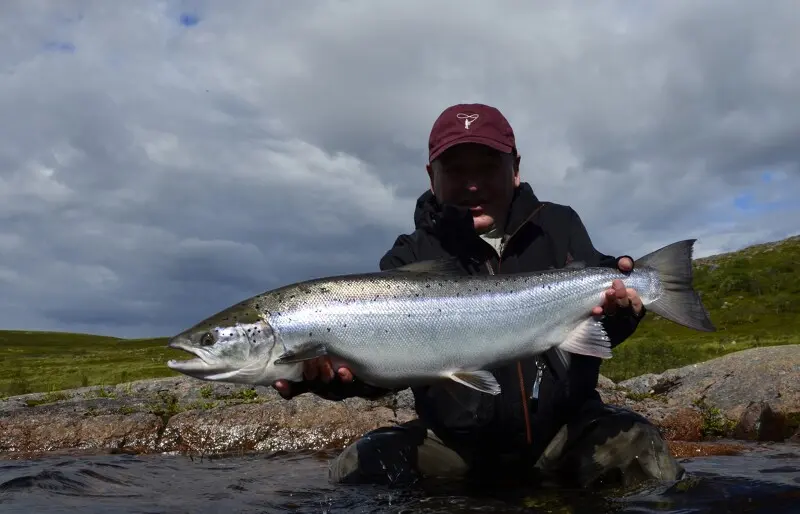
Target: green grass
(51, 361)
(753, 297)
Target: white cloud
(152, 173)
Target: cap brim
(491, 143)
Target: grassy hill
(46, 361)
(753, 296)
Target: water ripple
(297, 482)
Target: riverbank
(751, 395)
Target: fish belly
(407, 340)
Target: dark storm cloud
(161, 161)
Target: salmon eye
(207, 339)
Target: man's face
(478, 177)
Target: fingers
(625, 264)
(612, 298)
(636, 300)
(618, 296)
(345, 374)
(282, 386)
(321, 368)
(326, 370)
(310, 369)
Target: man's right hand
(321, 368)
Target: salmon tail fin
(679, 302)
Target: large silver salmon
(428, 321)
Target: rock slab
(753, 396)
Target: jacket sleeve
(400, 254)
(624, 322)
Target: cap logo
(468, 118)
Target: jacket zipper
(537, 381)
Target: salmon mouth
(200, 362)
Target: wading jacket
(538, 394)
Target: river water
(765, 481)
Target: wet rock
(677, 424)
(760, 423)
(182, 414)
(685, 449)
(724, 388)
(684, 423)
(643, 384)
(307, 423)
(603, 382)
(38, 432)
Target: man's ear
(429, 168)
(517, 159)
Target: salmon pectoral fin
(481, 380)
(588, 338)
(302, 352)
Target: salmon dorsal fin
(445, 266)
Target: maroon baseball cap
(470, 123)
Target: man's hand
(618, 296)
(321, 368)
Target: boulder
(754, 393)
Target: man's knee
(609, 445)
(630, 449)
(385, 455)
(392, 455)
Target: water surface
(767, 481)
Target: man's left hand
(618, 296)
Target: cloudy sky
(161, 160)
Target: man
(549, 423)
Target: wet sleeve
(400, 254)
(624, 322)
